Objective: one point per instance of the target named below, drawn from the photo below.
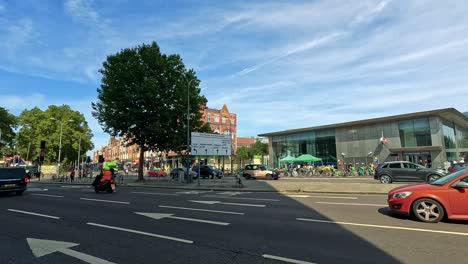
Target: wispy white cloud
(82, 11)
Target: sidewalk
(338, 185)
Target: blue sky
(277, 64)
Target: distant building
(245, 141)
(222, 121)
(436, 136)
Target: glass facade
(415, 132)
(450, 141)
(462, 137)
(320, 144)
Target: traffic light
(88, 159)
(43, 144)
(101, 159)
(41, 157)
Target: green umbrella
(288, 158)
(306, 158)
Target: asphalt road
(149, 225)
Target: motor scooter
(107, 185)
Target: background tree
(8, 122)
(259, 148)
(242, 154)
(143, 99)
(37, 125)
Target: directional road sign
(211, 144)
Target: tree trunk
(140, 163)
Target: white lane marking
(42, 247)
(48, 195)
(202, 210)
(385, 227)
(142, 233)
(218, 202)
(232, 193)
(358, 204)
(105, 201)
(34, 189)
(153, 193)
(238, 198)
(286, 259)
(31, 213)
(321, 196)
(193, 192)
(159, 216)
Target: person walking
(72, 175)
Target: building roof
(447, 113)
(245, 141)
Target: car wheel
(19, 192)
(385, 179)
(428, 210)
(268, 177)
(432, 178)
(247, 177)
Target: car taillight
(25, 179)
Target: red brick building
(222, 122)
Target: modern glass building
(436, 136)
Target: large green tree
(8, 123)
(37, 125)
(143, 99)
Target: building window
(449, 136)
(232, 121)
(224, 119)
(227, 132)
(415, 132)
(209, 118)
(216, 118)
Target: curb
(224, 189)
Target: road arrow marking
(202, 210)
(218, 202)
(31, 213)
(42, 247)
(142, 233)
(159, 216)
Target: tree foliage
(8, 122)
(143, 99)
(36, 125)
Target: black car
(208, 171)
(13, 180)
(406, 171)
(175, 173)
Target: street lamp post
(188, 129)
(60, 143)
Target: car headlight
(402, 195)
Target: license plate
(9, 185)
(113, 186)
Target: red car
(431, 202)
(153, 173)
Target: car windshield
(213, 167)
(448, 178)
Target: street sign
(211, 144)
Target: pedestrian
(72, 175)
